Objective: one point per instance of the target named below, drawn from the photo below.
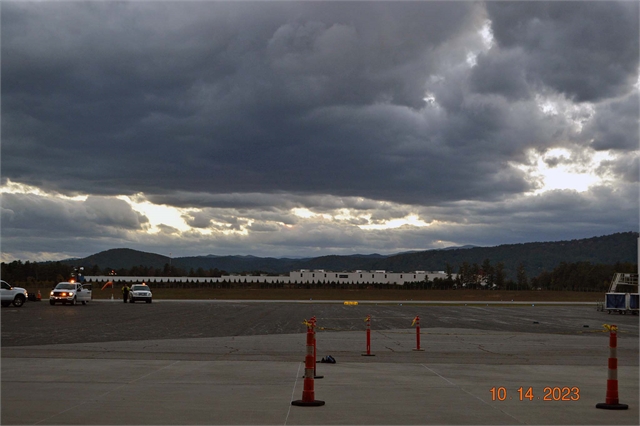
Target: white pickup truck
(71, 293)
(11, 294)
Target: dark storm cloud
(41, 224)
(536, 218)
(157, 97)
(324, 98)
(502, 73)
(34, 214)
(586, 50)
(265, 202)
(247, 110)
(625, 168)
(615, 124)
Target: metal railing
(623, 279)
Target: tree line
(576, 276)
(583, 276)
(17, 272)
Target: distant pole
(112, 282)
(368, 320)
(314, 322)
(416, 321)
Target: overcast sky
(293, 129)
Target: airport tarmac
(250, 376)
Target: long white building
(303, 276)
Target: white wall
(301, 277)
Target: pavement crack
(481, 347)
(513, 356)
(231, 349)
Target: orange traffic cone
(308, 393)
(612, 402)
(38, 296)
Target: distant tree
(465, 274)
(583, 276)
(488, 273)
(137, 271)
(510, 285)
(499, 275)
(217, 273)
(475, 275)
(521, 277)
(438, 283)
(448, 270)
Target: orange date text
(549, 393)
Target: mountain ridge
(536, 257)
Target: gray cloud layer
(586, 50)
(253, 109)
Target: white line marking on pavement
(292, 392)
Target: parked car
(140, 292)
(67, 292)
(10, 294)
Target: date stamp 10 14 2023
(549, 393)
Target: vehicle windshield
(65, 286)
(139, 287)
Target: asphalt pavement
(242, 363)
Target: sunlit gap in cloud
(430, 99)
(486, 32)
(440, 244)
(21, 188)
(410, 220)
(471, 60)
(575, 114)
(159, 215)
(556, 170)
(349, 216)
(308, 214)
(486, 35)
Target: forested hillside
(534, 257)
(584, 262)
